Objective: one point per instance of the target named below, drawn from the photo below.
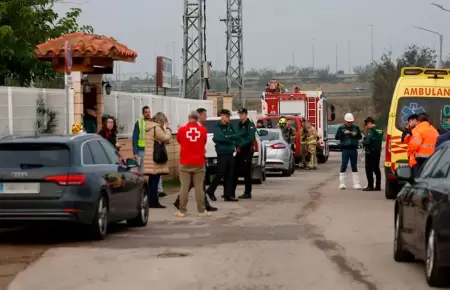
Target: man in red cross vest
(192, 139)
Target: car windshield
(36, 155)
(211, 124)
(272, 135)
(332, 129)
(438, 110)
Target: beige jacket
(312, 136)
(154, 131)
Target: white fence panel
(4, 111)
(18, 109)
(56, 100)
(129, 108)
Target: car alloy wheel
(144, 205)
(397, 232)
(102, 216)
(430, 257)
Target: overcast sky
(274, 31)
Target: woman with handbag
(155, 161)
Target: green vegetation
(46, 119)
(23, 25)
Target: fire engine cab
(276, 101)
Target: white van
(259, 157)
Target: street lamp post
(371, 40)
(440, 7)
(441, 41)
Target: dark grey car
(74, 179)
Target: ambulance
(418, 90)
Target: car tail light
(255, 146)
(67, 179)
(278, 146)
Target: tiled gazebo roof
(85, 45)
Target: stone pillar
(212, 97)
(228, 102)
(78, 97)
(96, 80)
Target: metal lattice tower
(235, 48)
(194, 49)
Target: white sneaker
(355, 177)
(342, 180)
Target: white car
(259, 156)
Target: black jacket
(111, 137)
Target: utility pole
(194, 47)
(234, 71)
(336, 58)
(371, 40)
(174, 72)
(148, 82)
(293, 60)
(349, 59)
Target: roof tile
(84, 45)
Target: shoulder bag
(159, 150)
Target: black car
(422, 217)
(75, 179)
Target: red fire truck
(310, 105)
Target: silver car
(279, 154)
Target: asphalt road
(299, 232)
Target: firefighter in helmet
(288, 130)
(309, 146)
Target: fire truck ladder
(312, 109)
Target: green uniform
(225, 138)
(89, 124)
(243, 164)
(246, 132)
(374, 139)
(349, 141)
(372, 145)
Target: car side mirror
(404, 173)
(131, 163)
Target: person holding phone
(349, 135)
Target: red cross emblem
(193, 134)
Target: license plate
(19, 188)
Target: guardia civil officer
(226, 141)
(244, 153)
(372, 147)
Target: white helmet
(349, 117)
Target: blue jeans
(141, 156)
(352, 156)
(160, 187)
(153, 181)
